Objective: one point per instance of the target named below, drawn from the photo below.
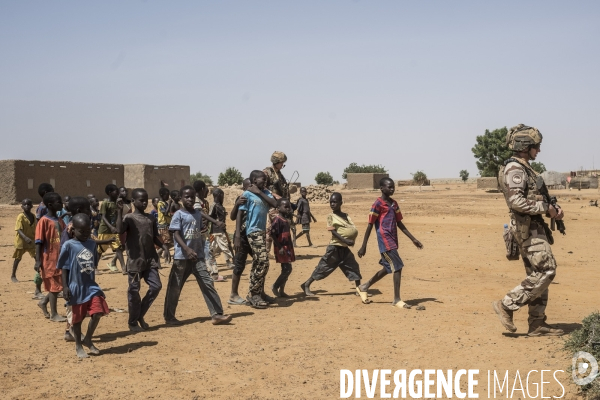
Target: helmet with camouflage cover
(278, 157)
(520, 137)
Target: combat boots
(541, 328)
(505, 316)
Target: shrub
(199, 176)
(587, 338)
(464, 175)
(538, 167)
(324, 178)
(419, 177)
(354, 168)
(231, 176)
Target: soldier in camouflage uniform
(526, 206)
(278, 186)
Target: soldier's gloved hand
(552, 212)
(560, 215)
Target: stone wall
(150, 177)
(364, 181)
(68, 178)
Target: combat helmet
(520, 137)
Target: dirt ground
(297, 348)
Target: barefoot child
(241, 255)
(201, 205)
(107, 229)
(386, 216)
(78, 260)
(256, 209)
(40, 211)
(284, 247)
(142, 259)
(338, 253)
(164, 218)
(47, 246)
(186, 226)
(25, 236)
(219, 243)
(304, 216)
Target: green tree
(419, 177)
(491, 150)
(324, 178)
(354, 168)
(199, 176)
(538, 167)
(231, 176)
(464, 175)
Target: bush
(587, 339)
(492, 151)
(199, 176)
(464, 175)
(419, 177)
(538, 167)
(324, 178)
(354, 168)
(231, 176)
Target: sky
(213, 84)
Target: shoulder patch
(517, 179)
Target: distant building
(20, 179)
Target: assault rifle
(541, 186)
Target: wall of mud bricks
(150, 177)
(364, 181)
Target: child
(176, 198)
(284, 247)
(25, 236)
(385, 215)
(164, 218)
(304, 216)
(95, 217)
(257, 208)
(77, 261)
(47, 246)
(76, 205)
(201, 204)
(219, 239)
(186, 226)
(154, 211)
(338, 253)
(39, 213)
(239, 260)
(107, 229)
(64, 213)
(127, 206)
(142, 258)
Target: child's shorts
(19, 253)
(305, 227)
(53, 284)
(116, 245)
(97, 305)
(166, 236)
(390, 258)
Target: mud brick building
(150, 177)
(364, 181)
(20, 179)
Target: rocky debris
(319, 193)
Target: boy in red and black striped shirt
(386, 217)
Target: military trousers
(540, 267)
(260, 262)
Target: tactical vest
(276, 183)
(522, 222)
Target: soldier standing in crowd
(519, 183)
(278, 186)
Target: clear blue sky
(224, 83)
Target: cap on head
(278, 157)
(520, 137)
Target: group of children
(67, 240)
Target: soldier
(518, 183)
(277, 185)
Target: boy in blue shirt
(256, 209)
(78, 259)
(386, 217)
(186, 226)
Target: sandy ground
(296, 348)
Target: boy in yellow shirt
(25, 236)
